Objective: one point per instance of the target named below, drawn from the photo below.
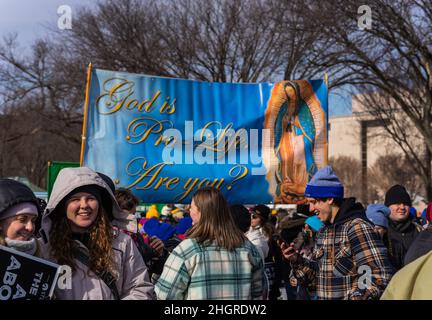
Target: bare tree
(349, 172)
(223, 40)
(393, 58)
(390, 170)
(237, 41)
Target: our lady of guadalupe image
(298, 139)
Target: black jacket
(400, 237)
(421, 245)
(13, 192)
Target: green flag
(54, 168)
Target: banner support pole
(84, 127)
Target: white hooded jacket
(257, 237)
(132, 277)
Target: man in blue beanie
(349, 260)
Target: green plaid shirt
(197, 272)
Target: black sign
(25, 277)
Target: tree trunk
(428, 180)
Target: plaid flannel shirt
(349, 261)
(206, 272)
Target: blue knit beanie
(153, 227)
(378, 214)
(315, 223)
(324, 184)
(183, 225)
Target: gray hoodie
(133, 281)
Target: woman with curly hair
(216, 261)
(77, 231)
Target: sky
(30, 19)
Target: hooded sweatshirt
(132, 277)
(345, 254)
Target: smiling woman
(18, 212)
(82, 209)
(78, 231)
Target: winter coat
(345, 251)
(195, 271)
(132, 277)
(400, 236)
(413, 282)
(258, 238)
(13, 192)
(421, 245)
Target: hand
(157, 245)
(289, 252)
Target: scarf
(400, 227)
(28, 247)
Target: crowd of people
(331, 248)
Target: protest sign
(164, 138)
(25, 277)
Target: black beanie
(263, 211)
(397, 194)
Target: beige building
(345, 136)
(362, 137)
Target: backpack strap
(105, 276)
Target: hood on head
(70, 179)
(350, 209)
(13, 192)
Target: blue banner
(164, 138)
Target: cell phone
(298, 243)
(280, 241)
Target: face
(322, 209)
(195, 213)
(82, 210)
(399, 212)
(255, 220)
(20, 227)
